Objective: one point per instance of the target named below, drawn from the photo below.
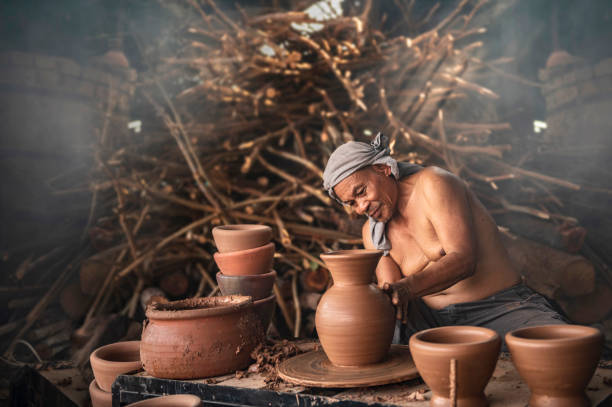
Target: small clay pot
(175, 400)
(264, 308)
(246, 262)
(232, 238)
(475, 351)
(257, 286)
(99, 397)
(200, 337)
(110, 361)
(354, 319)
(556, 361)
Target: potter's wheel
(313, 369)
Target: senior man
(444, 262)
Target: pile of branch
(238, 123)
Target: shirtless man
(446, 264)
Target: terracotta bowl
(556, 361)
(232, 238)
(264, 309)
(257, 286)
(110, 361)
(99, 397)
(246, 262)
(176, 400)
(475, 351)
(200, 337)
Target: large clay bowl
(257, 286)
(99, 397)
(264, 308)
(110, 361)
(231, 238)
(556, 361)
(175, 400)
(199, 337)
(475, 350)
(246, 262)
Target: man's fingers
(398, 313)
(386, 287)
(395, 299)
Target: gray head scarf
(355, 155)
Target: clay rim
(490, 336)
(247, 276)
(203, 307)
(247, 252)
(242, 227)
(264, 300)
(180, 399)
(105, 363)
(95, 389)
(580, 335)
(350, 254)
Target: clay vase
(199, 337)
(99, 397)
(110, 361)
(231, 238)
(556, 361)
(246, 262)
(475, 351)
(354, 319)
(175, 400)
(257, 286)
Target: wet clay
(200, 337)
(110, 361)
(474, 351)
(257, 286)
(176, 400)
(99, 397)
(354, 319)
(230, 238)
(246, 262)
(556, 361)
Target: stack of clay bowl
(108, 362)
(245, 259)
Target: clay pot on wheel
(475, 351)
(246, 262)
(199, 337)
(99, 397)
(556, 361)
(257, 286)
(231, 238)
(354, 319)
(110, 361)
(175, 400)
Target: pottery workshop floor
(504, 389)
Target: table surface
(504, 389)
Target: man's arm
(387, 271)
(448, 210)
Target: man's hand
(400, 297)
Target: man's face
(370, 191)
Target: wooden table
(504, 389)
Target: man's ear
(382, 169)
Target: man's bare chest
(414, 244)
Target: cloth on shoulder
(355, 155)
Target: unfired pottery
(99, 397)
(354, 319)
(556, 361)
(175, 400)
(246, 262)
(257, 286)
(475, 351)
(199, 337)
(231, 238)
(110, 361)
(264, 308)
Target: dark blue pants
(510, 309)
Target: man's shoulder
(434, 180)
